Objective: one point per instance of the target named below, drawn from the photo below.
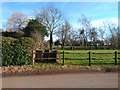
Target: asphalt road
(76, 80)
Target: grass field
(86, 62)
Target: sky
(95, 11)
(60, 0)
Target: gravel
(30, 70)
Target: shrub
(12, 34)
(28, 43)
(7, 51)
(14, 51)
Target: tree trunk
(63, 45)
(51, 41)
(86, 44)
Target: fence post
(63, 58)
(115, 57)
(33, 57)
(89, 58)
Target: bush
(14, 51)
(6, 51)
(12, 34)
(28, 43)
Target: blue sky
(96, 11)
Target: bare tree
(63, 32)
(17, 22)
(72, 38)
(102, 31)
(93, 37)
(114, 35)
(81, 37)
(51, 17)
(85, 28)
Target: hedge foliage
(12, 34)
(28, 43)
(16, 51)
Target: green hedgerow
(14, 52)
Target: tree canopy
(51, 17)
(17, 22)
(33, 26)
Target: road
(75, 80)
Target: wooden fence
(115, 58)
(61, 56)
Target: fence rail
(87, 53)
(73, 53)
(101, 53)
(115, 58)
(102, 58)
(89, 58)
(75, 58)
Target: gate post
(63, 58)
(115, 57)
(33, 57)
(89, 58)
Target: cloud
(101, 22)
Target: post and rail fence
(48, 56)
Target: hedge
(28, 43)
(12, 34)
(16, 51)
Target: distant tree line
(50, 21)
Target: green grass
(81, 62)
(46, 65)
(85, 62)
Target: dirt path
(75, 80)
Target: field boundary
(89, 58)
(115, 58)
(29, 70)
